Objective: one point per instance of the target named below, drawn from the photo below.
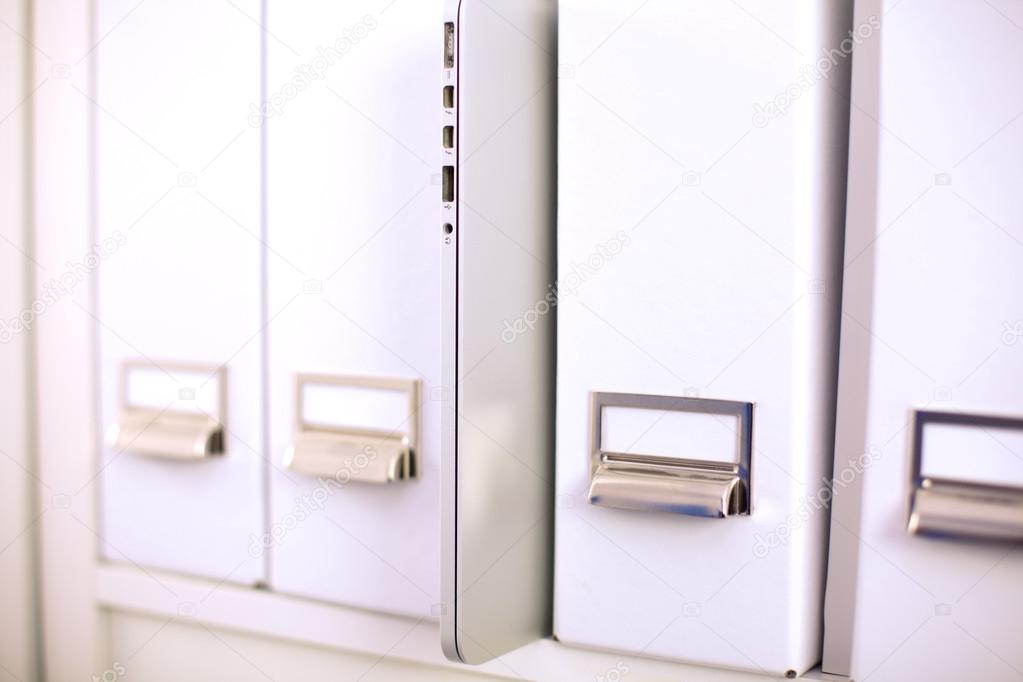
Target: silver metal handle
(942, 507)
(694, 487)
(357, 458)
(172, 433)
(174, 436)
(367, 455)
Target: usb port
(449, 137)
(449, 45)
(448, 184)
(449, 96)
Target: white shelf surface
(232, 607)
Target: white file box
(924, 570)
(353, 268)
(701, 208)
(177, 271)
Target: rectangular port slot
(448, 137)
(448, 183)
(449, 45)
(449, 96)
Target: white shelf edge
(262, 612)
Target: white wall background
(17, 530)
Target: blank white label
(173, 389)
(973, 454)
(339, 407)
(670, 433)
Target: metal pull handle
(378, 445)
(716, 487)
(370, 460)
(168, 419)
(175, 436)
(942, 506)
